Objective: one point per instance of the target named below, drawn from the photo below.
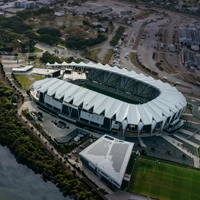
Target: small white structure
(59, 14)
(22, 70)
(120, 42)
(96, 23)
(195, 47)
(102, 30)
(171, 48)
(76, 139)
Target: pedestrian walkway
(187, 141)
(96, 180)
(184, 150)
(198, 123)
(187, 114)
(187, 132)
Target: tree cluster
(30, 152)
(46, 35)
(10, 41)
(54, 32)
(14, 23)
(117, 35)
(77, 42)
(18, 83)
(47, 57)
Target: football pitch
(164, 181)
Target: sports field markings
(164, 180)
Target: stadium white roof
(157, 110)
(110, 156)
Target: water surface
(17, 182)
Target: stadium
(109, 99)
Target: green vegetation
(37, 78)
(166, 181)
(14, 23)
(37, 50)
(80, 42)
(117, 35)
(47, 57)
(28, 151)
(92, 55)
(23, 80)
(72, 59)
(50, 31)
(108, 56)
(51, 58)
(44, 34)
(44, 37)
(10, 41)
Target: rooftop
(110, 156)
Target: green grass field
(37, 50)
(164, 181)
(25, 81)
(108, 56)
(37, 78)
(92, 55)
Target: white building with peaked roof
(108, 157)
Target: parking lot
(51, 123)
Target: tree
(56, 51)
(47, 57)
(49, 31)
(47, 39)
(16, 57)
(31, 45)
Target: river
(17, 182)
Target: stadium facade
(109, 99)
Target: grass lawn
(37, 50)
(164, 181)
(25, 82)
(92, 55)
(37, 78)
(108, 56)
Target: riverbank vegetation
(28, 151)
